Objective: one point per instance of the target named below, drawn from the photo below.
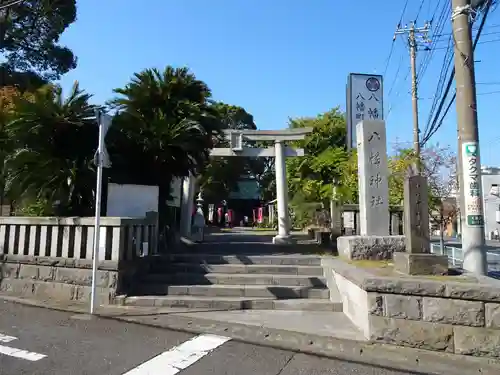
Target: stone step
(230, 303)
(307, 304)
(284, 260)
(250, 291)
(238, 269)
(236, 279)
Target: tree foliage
(164, 121)
(52, 140)
(312, 178)
(438, 164)
(29, 37)
(221, 175)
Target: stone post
(372, 178)
(418, 260)
(188, 186)
(198, 228)
(283, 236)
(395, 223)
(335, 214)
(373, 241)
(416, 211)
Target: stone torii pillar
(279, 152)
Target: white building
(490, 180)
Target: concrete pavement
(73, 344)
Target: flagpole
(97, 224)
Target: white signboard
(472, 185)
(175, 192)
(131, 200)
(365, 101)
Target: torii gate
(279, 152)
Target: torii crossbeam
(279, 151)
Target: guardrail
(456, 256)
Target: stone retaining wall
(461, 317)
(66, 279)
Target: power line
(419, 10)
(12, 3)
(394, 39)
(389, 58)
(489, 93)
(435, 124)
(438, 28)
(481, 42)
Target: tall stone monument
(372, 178)
(374, 241)
(417, 259)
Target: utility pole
(471, 193)
(416, 35)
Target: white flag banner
(101, 157)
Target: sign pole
(101, 161)
(97, 223)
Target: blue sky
(278, 58)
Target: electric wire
(435, 124)
(12, 3)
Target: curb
(417, 361)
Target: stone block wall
(469, 327)
(460, 317)
(58, 278)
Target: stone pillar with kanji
(374, 241)
(417, 259)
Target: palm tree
(53, 141)
(164, 122)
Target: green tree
(439, 166)
(165, 127)
(53, 140)
(325, 155)
(311, 178)
(8, 96)
(29, 36)
(222, 174)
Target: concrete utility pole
(416, 35)
(471, 193)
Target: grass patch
(363, 263)
(454, 278)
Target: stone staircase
(233, 282)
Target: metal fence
(456, 256)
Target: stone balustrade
(51, 258)
(73, 237)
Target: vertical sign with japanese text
(365, 101)
(472, 185)
(372, 178)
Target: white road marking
(180, 357)
(5, 338)
(17, 353)
(20, 353)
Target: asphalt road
(70, 345)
